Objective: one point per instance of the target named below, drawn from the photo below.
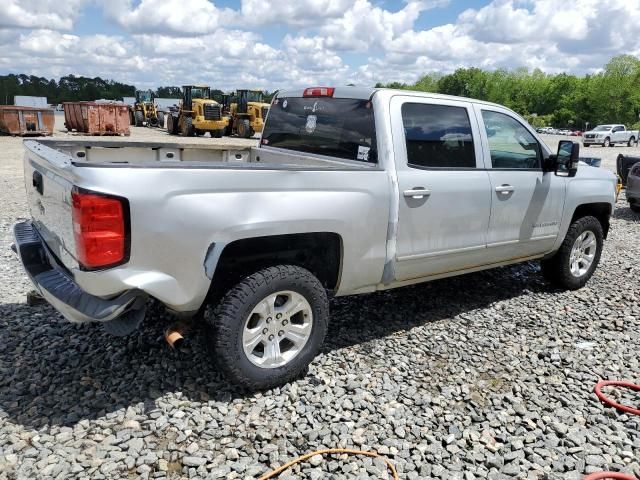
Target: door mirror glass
(567, 158)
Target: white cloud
(167, 17)
(51, 14)
(296, 12)
(323, 41)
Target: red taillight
(99, 227)
(318, 92)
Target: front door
(527, 203)
(444, 189)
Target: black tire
(631, 141)
(244, 128)
(171, 125)
(226, 321)
(607, 142)
(217, 133)
(187, 127)
(139, 118)
(557, 269)
(160, 119)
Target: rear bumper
(58, 287)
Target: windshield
(602, 128)
(144, 96)
(336, 127)
(199, 92)
(254, 97)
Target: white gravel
(488, 375)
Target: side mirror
(567, 158)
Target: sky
(273, 44)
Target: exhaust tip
(174, 335)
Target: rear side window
(438, 136)
(336, 127)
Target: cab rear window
(335, 127)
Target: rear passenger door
(618, 134)
(527, 203)
(444, 190)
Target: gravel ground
(488, 375)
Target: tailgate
(49, 180)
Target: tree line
(561, 100)
(73, 88)
(68, 89)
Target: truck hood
(587, 172)
(598, 132)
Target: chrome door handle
(505, 189)
(417, 192)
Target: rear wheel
(160, 119)
(139, 118)
(576, 260)
(269, 327)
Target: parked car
(576, 133)
(351, 190)
(610, 135)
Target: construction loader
(197, 114)
(247, 113)
(144, 111)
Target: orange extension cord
(607, 401)
(593, 476)
(329, 451)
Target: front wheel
(160, 119)
(574, 263)
(269, 327)
(632, 140)
(244, 128)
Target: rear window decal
(312, 121)
(363, 153)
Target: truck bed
(96, 153)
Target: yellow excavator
(145, 112)
(247, 113)
(197, 114)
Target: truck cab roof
(365, 93)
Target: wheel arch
(319, 252)
(600, 210)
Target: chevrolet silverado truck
(610, 135)
(350, 190)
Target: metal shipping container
(97, 118)
(16, 120)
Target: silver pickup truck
(350, 191)
(610, 136)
